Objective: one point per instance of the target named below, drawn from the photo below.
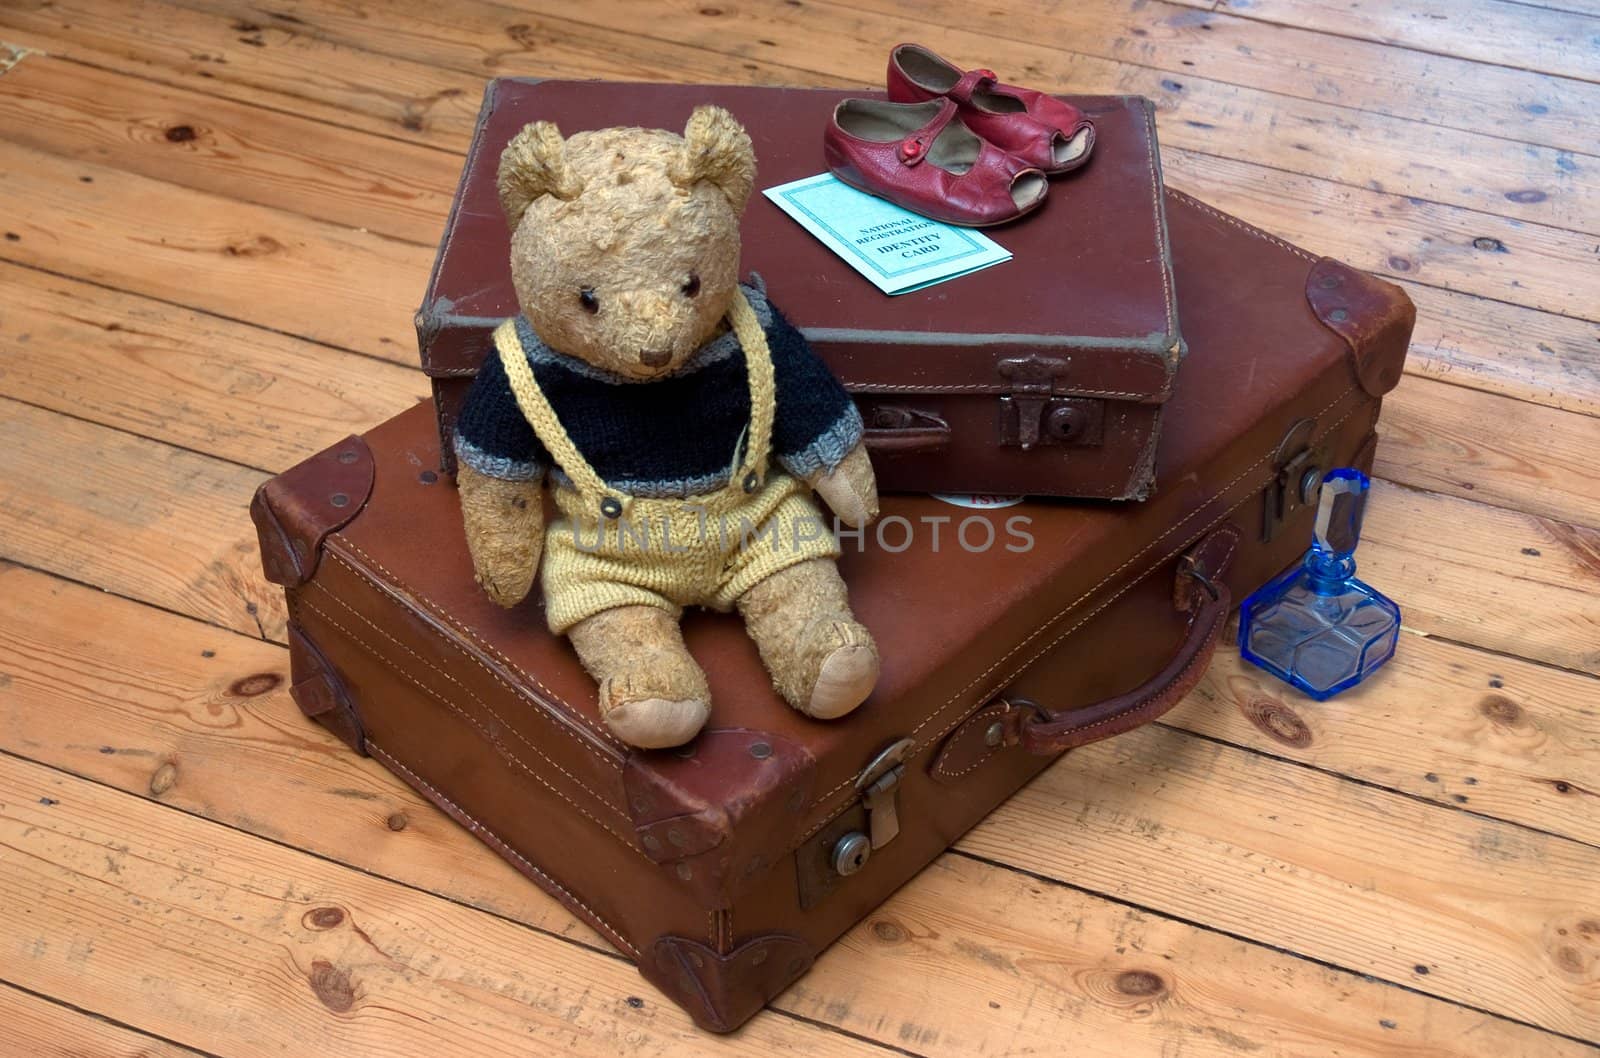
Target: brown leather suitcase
(724, 868)
(1045, 375)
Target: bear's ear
(716, 148)
(534, 163)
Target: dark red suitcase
(723, 869)
(1045, 375)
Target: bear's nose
(655, 357)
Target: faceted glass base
(1319, 641)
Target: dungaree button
(751, 481)
(611, 507)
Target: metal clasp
(1300, 468)
(877, 783)
(1032, 414)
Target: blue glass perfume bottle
(1316, 626)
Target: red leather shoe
(920, 156)
(1038, 128)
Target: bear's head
(625, 241)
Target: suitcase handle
(892, 428)
(1013, 720)
(1042, 731)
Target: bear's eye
(587, 298)
(691, 286)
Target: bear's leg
(652, 694)
(822, 660)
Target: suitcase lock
(1300, 465)
(843, 847)
(1031, 414)
(876, 783)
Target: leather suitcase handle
(1012, 720)
(913, 439)
(1041, 731)
(904, 428)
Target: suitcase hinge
(1031, 414)
(1301, 465)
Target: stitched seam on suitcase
(434, 609)
(464, 688)
(1248, 229)
(1249, 494)
(499, 844)
(867, 389)
(504, 750)
(1156, 213)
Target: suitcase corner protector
(723, 991)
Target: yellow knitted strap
(541, 416)
(535, 407)
(763, 388)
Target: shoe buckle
(912, 150)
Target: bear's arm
(816, 424)
(492, 436)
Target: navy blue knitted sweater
(673, 436)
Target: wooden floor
(218, 218)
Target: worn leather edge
(295, 511)
(316, 687)
(710, 845)
(431, 317)
(722, 992)
(447, 426)
(1178, 349)
(1374, 318)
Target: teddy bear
(683, 425)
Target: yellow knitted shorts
(670, 553)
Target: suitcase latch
(843, 846)
(877, 783)
(1300, 468)
(1031, 414)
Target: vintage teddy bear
(659, 393)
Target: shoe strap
(914, 148)
(970, 82)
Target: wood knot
(252, 686)
(163, 779)
(1277, 721)
(888, 932)
(322, 918)
(397, 822)
(1140, 983)
(180, 133)
(1500, 709)
(332, 986)
(259, 246)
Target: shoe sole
(953, 223)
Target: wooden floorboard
(214, 707)
(215, 221)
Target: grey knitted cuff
(828, 449)
(502, 467)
